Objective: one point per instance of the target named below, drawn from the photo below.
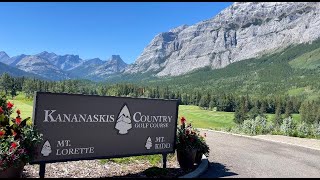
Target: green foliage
(278, 117)
(254, 126)
(17, 138)
(303, 129)
(188, 138)
(309, 60)
(287, 126)
(316, 130)
(241, 111)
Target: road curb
(200, 169)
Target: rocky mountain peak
(47, 55)
(3, 56)
(241, 31)
(178, 29)
(115, 59)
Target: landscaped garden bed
(138, 166)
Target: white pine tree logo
(124, 120)
(46, 149)
(148, 143)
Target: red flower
(9, 105)
(187, 131)
(2, 133)
(13, 145)
(18, 111)
(14, 133)
(183, 120)
(1, 110)
(18, 121)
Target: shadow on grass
(217, 170)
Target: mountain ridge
(241, 31)
(61, 67)
(238, 32)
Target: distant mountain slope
(60, 67)
(3, 56)
(310, 60)
(241, 31)
(41, 67)
(98, 70)
(65, 62)
(16, 72)
(14, 60)
(268, 75)
(86, 67)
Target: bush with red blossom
(18, 139)
(187, 137)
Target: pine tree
(288, 109)
(241, 111)
(278, 118)
(6, 82)
(13, 91)
(202, 102)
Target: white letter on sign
(49, 115)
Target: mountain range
(242, 31)
(60, 67)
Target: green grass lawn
(206, 119)
(25, 106)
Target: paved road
(238, 157)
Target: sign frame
(164, 154)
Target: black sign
(83, 127)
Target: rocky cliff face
(65, 62)
(41, 67)
(113, 65)
(241, 31)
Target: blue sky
(92, 30)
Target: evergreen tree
(288, 109)
(278, 118)
(6, 82)
(13, 91)
(203, 102)
(241, 111)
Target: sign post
(84, 127)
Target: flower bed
(17, 139)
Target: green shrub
(315, 130)
(287, 126)
(303, 129)
(254, 126)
